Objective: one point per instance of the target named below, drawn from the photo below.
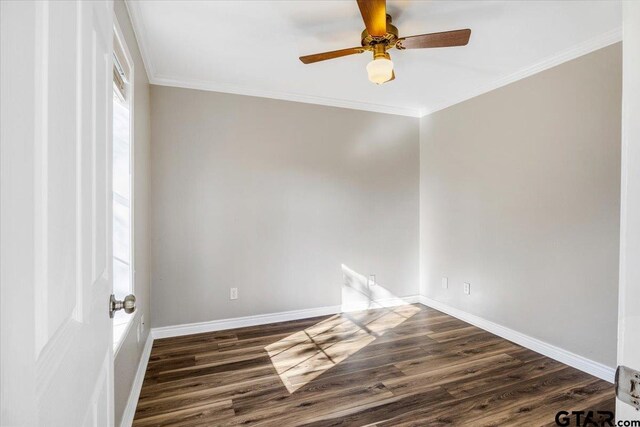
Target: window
(123, 277)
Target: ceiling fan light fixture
(380, 70)
(380, 36)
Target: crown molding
(285, 96)
(574, 52)
(140, 32)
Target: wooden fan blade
(309, 59)
(444, 39)
(374, 15)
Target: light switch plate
(467, 288)
(445, 283)
(233, 293)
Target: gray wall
(273, 197)
(128, 356)
(520, 193)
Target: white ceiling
(252, 47)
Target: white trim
(130, 87)
(136, 387)
(598, 42)
(284, 96)
(263, 319)
(117, 29)
(139, 32)
(594, 368)
(568, 358)
(583, 48)
(240, 322)
(223, 324)
(118, 345)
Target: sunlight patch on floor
(303, 356)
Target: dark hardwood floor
(408, 365)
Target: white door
(57, 359)
(629, 307)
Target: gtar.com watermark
(592, 419)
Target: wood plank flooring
(400, 366)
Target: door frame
(119, 36)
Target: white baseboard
(283, 316)
(136, 387)
(561, 355)
(240, 322)
(223, 324)
(579, 362)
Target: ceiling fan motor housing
(388, 40)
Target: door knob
(128, 304)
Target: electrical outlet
(233, 293)
(445, 283)
(372, 280)
(467, 288)
(140, 328)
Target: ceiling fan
(380, 36)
